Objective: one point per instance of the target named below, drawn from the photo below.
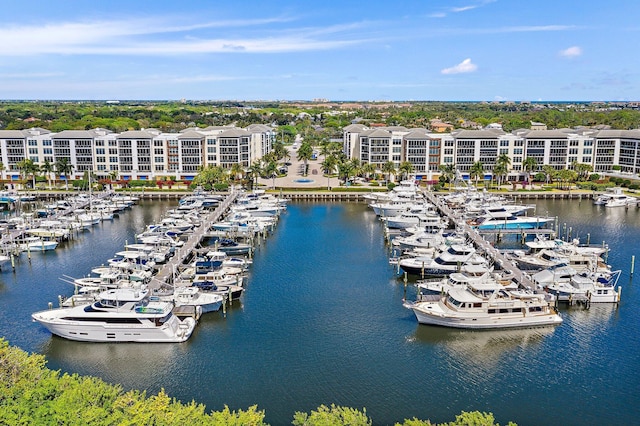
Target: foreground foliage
(30, 393)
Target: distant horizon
(441, 50)
(116, 101)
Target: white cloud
(153, 37)
(459, 9)
(463, 8)
(463, 67)
(571, 52)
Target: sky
(422, 50)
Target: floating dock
(518, 275)
(166, 273)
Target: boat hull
(84, 331)
(424, 316)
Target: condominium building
(140, 154)
(149, 153)
(560, 149)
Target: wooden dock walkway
(9, 238)
(481, 244)
(165, 274)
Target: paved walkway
(295, 174)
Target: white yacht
(621, 200)
(614, 197)
(469, 274)
(194, 296)
(547, 258)
(486, 305)
(506, 220)
(448, 261)
(569, 285)
(119, 315)
(417, 216)
(36, 244)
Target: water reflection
(482, 348)
(128, 364)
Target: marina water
(322, 322)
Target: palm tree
(2, 175)
(390, 169)
(64, 167)
(500, 170)
(329, 164)
(254, 171)
(356, 167)
(270, 170)
(549, 173)
(28, 168)
(502, 167)
(46, 168)
(582, 169)
(305, 152)
(566, 176)
(476, 170)
(449, 172)
(368, 169)
(325, 148)
(236, 170)
(345, 170)
(529, 165)
(504, 159)
(405, 169)
(113, 176)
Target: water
(322, 322)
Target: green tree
(236, 171)
(529, 165)
(369, 169)
(254, 171)
(549, 172)
(476, 170)
(582, 170)
(345, 170)
(334, 415)
(210, 176)
(47, 168)
(64, 167)
(390, 169)
(565, 177)
(329, 164)
(449, 172)
(28, 169)
(305, 152)
(270, 170)
(405, 169)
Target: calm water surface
(322, 322)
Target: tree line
(306, 119)
(30, 393)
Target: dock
(518, 275)
(8, 239)
(166, 273)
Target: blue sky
(340, 50)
